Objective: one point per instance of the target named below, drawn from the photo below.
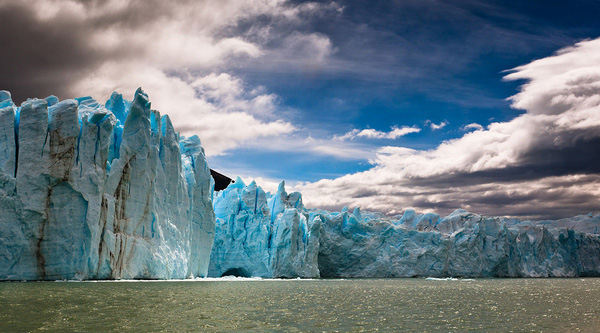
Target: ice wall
(265, 235)
(461, 244)
(100, 192)
(258, 234)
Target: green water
(549, 305)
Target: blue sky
(358, 103)
(404, 63)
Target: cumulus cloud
(178, 51)
(370, 133)
(435, 126)
(543, 163)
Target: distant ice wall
(100, 192)
(461, 244)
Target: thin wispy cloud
(472, 126)
(369, 133)
(330, 148)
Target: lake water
(407, 305)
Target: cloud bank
(544, 163)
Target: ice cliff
(460, 244)
(100, 192)
(259, 234)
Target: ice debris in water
(90, 191)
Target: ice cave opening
(239, 272)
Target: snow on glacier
(90, 191)
(259, 234)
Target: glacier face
(460, 244)
(259, 234)
(100, 192)
(254, 228)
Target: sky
(489, 106)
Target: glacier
(90, 191)
(259, 234)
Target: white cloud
(472, 126)
(311, 50)
(228, 94)
(267, 184)
(435, 126)
(340, 150)
(562, 100)
(542, 198)
(180, 51)
(370, 133)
